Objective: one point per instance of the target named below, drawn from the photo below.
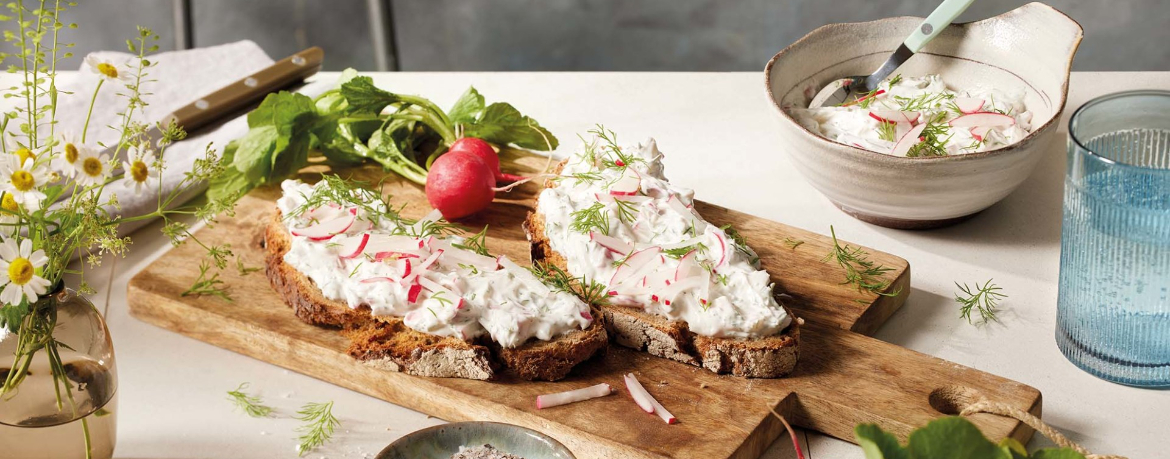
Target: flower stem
(89, 114)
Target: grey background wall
(694, 35)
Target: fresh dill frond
(887, 131)
(792, 243)
(477, 243)
(442, 299)
(355, 270)
(859, 269)
(427, 228)
(626, 211)
(934, 137)
(741, 244)
(243, 269)
(590, 291)
(318, 428)
(587, 178)
(895, 79)
(589, 218)
(983, 298)
(615, 158)
(251, 404)
(925, 101)
(351, 193)
(679, 252)
(623, 260)
(207, 284)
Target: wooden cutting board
(843, 377)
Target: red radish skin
(908, 140)
(969, 105)
(354, 252)
(572, 396)
(487, 154)
(460, 184)
(642, 397)
(321, 231)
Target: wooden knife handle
(240, 94)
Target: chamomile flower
(92, 168)
(9, 204)
(139, 170)
(18, 271)
(19, 150)
(107, 70)
(66, 163)
(23, 180)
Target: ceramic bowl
(440, 442)
(1031, 47)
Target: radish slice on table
(645, 401)
(612, 243)
(525, 277)
(909, 139)
(326, 229)
(895, 116)
(353, 247)
(983, 119)
(969, 105)
(572, 396)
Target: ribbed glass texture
(1113, 314)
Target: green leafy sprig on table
(318, 428)
(983, 298)
(251, 404)
(948, 438)
(357, 122)
(859, 269)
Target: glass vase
(65, 406)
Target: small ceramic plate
(440, 442)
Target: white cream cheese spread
(618, 221)
(940, 121)
(356, 255)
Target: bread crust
(768, 357)
(386, 342)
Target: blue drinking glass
(1113, 314)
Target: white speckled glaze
(1031, 47)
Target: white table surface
(717, 131)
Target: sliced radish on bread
(326, 229)
(611, 243)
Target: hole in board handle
(953, 399)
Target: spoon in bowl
(837, 92)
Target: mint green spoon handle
(936, 22)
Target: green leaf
(232, 183)
(364, 97)
(1013, 447)
(467, 107)
(254, 154)
(877, 444)
(953, 438)
(1057, 453)
(501, 124)
(284, 110)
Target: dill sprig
(251, 404)
(679, 252)
(590, 291)
(592, 217)
(477, 243)
(887, 131)
(319, 426)
(741, 244)
(859, 269)
(983, 298)
(243, 269)
(792, 243)
(934, 136)
(923, 102)
(351, 193)
(207, 285)
(587, 178)
(430, 228)
(615, 158)
(895, 80)
(626, 211)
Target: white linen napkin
(178, 79)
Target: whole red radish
(485, 152)
(460, 184)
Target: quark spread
(355, 254)
(618, 221)
(880, 120)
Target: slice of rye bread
(386, 342)
(767, 357)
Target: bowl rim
(434, 428)
(1004, 150)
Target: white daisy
(107, 70)
(139, 170)
(92, 168)
(22, 179)
(18, 272)
(19, 150)
(66, 163)
(7, 218)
